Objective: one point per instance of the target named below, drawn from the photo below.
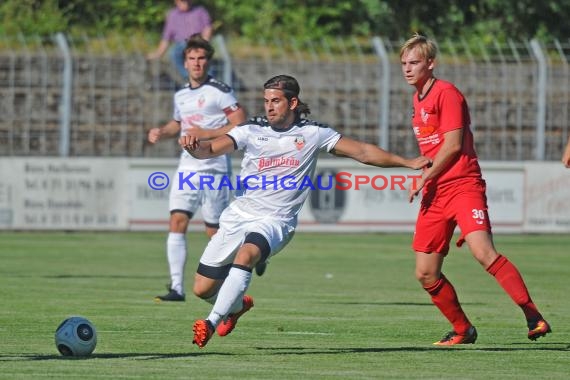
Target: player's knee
(426, 277)
(179, 222)
(486, 256)
(248, 255)
(202, 292)
(211, 231)
(199, 293)
(205, 288)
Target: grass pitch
(342, 306)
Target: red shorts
(462, 203)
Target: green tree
(305, 20)
(32, 17)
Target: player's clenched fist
(154, 135)
(189, 143)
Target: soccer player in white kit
(211, 108)
(280, 156)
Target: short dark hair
(290, 88)
(196, 41)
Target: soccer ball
(75, 336)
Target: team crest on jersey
(201, 101)
(424, 115)
(299, 142)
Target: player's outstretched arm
(207, 149)
(372, 155)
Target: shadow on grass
(65, 276)
(72, 276)
(396, 303)
(384, 303)
(562, 347)
(138, 356)
(559, 347)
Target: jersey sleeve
(240, 136)
(328, 138)
(453, 111)
(228, 103)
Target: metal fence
(70, 97)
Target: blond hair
(426, 47)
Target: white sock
(176, 254)
(230, 294)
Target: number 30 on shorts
(478, 215)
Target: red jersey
(441, 110)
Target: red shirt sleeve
(453, 113)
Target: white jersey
(205, 106)
(277, 163)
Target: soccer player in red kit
(453, 195)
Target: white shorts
(235, 224)
(202, 190)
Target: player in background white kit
(278, 149)
(211, 105)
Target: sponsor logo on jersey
(188, 121)
(426, 135)
(273, 162)
(424, 130)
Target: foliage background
(300, 19)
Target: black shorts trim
(215, 273)
(212, 225)
(242, 267)
(261, 242)
(188, 213)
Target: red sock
(510, 279)
(444, 297)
